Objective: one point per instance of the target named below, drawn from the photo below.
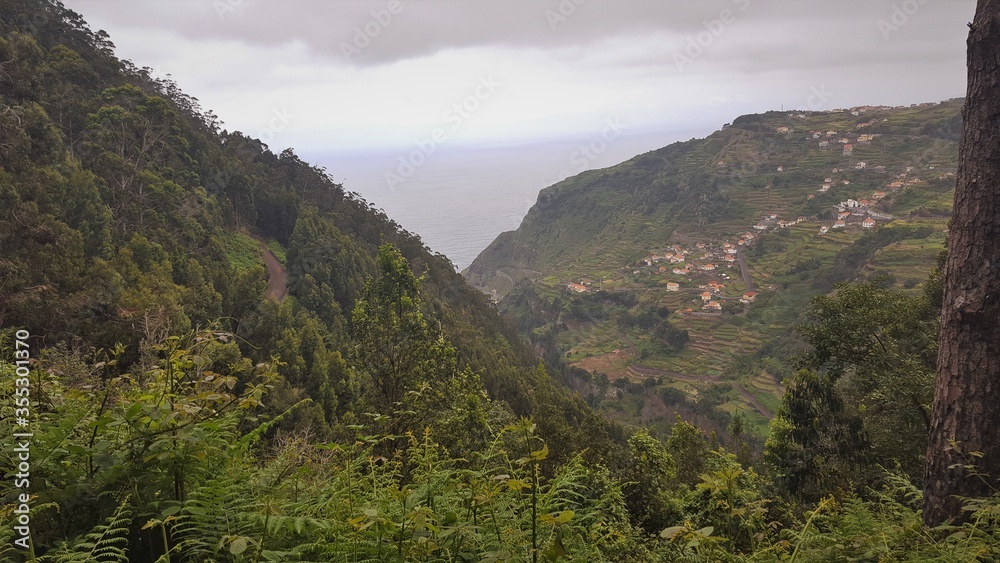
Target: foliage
(385, 410)
(863, 394)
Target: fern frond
(106, 543)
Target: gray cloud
(799, 32)
(564, 63)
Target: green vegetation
(627, 227)
(242, 251)
(278, 250)
(385, 411)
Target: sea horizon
(459, 198)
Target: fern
(210, 521)
(106, 543)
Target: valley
(722, 243)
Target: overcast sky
(339, 74)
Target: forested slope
(165, 410)
(129, 214)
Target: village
(711, 270)
(704, 269)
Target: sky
(343, 75)
(451, 115)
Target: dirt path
(753, 400)
(277, 276)
(741, 256)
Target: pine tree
(966, 412)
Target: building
(673, 286)
(706, 296)
(578, 288)
(839, 225)
(749, 297)
(868, 223)
(708, 267)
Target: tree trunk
(966, 413)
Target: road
(753, 400)
(741, 257)
(277, 276)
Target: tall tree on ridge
(966, 413)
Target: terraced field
(599, 227)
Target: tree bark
(966, 412)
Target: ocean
(459, 198)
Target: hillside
(212, 352)
(132, 217)
(674, 280)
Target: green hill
(772, 181)
(130, 217)
(166, 399)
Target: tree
(689, 448)
(878, 348)
(412, 376)
(816, 444)
(649, 474)
(966, 411)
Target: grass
(242, 251)
(278, 250)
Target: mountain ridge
(760, 201)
